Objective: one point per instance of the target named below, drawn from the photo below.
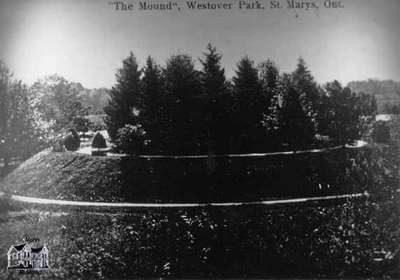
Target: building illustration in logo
(26, 256)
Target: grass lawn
(74, 176)
(5, 170)
(350, 239)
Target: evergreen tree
(184, 103)
(217, 101)
(296, 126)
(346, 114)
(305, 85)
(99, 142)
(153, 115)
(249, 106)
(270, 82)
(125, 98)
(72, 141)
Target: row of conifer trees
(182, 110)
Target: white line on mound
(360, 144)
(45, 201)
(243, 155)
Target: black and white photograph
(199, 139)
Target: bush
(72, 141)
(296, 241)
(381, 132)
(81, 124)
(99, 142)
(57, 144)
(131, 139)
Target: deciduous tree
(18, 136)
(346, 115)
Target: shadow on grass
(5, 204)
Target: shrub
(72, 141)
(98, 141)
(81, 124)
(131, 139)
(58, 146)
(381, 132)
(97, 126)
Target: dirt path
(359, 144)
(45, 201)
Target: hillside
(387, 92)
(65, 176)
(76, 176)
(351, 240)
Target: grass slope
(349, 240)
(66, 176)
(128, 179)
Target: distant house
(24, 256)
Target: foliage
(72, 141)
(58, 105)
(94, 99)
(153, 112)
(270, 81)
(131, 139)
(350, 239)
(345, 116)
(217, 101)
(304, 83)
(392, 109)
(81, 124)
(57, 143)
(184, 102)
(297, 128)
(125, 98)
(18, 135)
(96, 122)
(386, 92)
(248, 109)
(98, 141)
(185, 111)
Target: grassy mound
(77, 176)
(66, 176)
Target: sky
(85, 41)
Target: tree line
(32, 118)
(178, 109)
